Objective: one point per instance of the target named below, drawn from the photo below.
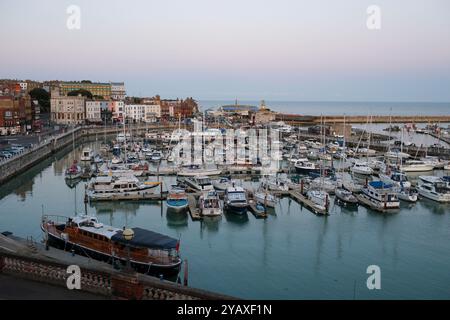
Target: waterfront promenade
(30, 264)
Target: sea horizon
(340, 107)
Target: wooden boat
(148, 252)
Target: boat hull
(178, 205)
(150, 269)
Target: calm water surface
(291, 255)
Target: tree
(43, 98)
(83, 92)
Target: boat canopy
(380, 185)
(146, 238)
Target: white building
(118, 90)
(23, 86)
(143, 112)
(67, 110)
(94, 110)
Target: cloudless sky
(247, 49)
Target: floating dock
(297, 196)
(193, 209)
(259, 214)
(135, 197)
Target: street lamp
(128, 235)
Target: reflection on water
(177, 220)
(293, 254)
(237, 219)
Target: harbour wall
(305, 119)
(18, 164)
(110, 283)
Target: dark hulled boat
(149, 252)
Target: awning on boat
(147, 238)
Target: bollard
(73, 252)
(161, 277)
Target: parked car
(12, 151)
(5, 154)
(17, 147)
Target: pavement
(13, 288)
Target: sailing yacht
(396, 178)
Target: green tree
(83, 92)
(43, 98)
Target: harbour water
(293, 254)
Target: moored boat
(147, 252)
(320, 199)
(235, 200)
(195, 170)
(361, 168)
(177, 200)
(417, 166)
(210, 204)
(345, 196)
(74, 171)
(434, 188)
(86, 154)
(380, 195)
(118, 188)
(200, 183)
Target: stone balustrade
(114, 284)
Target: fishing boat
(195, 170)
(200, 183)
(86, 154)
(74, 171)
(381, 195)
(345, 196)
(177, 199)
(434, 188)
(112, 188)
(304, 166)
(210, 204)
(396, 178)
(221, 184)
(416, 166)
(147, 252)
(361, 168)
(235, 200)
